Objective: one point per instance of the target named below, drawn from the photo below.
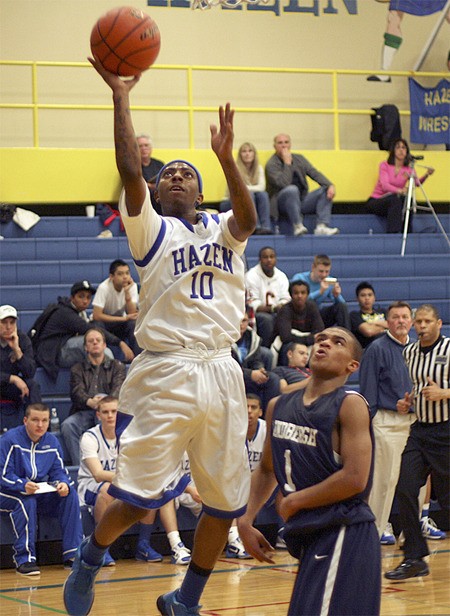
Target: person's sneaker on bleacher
(388, 538)
(430, 530)
(169, 606)
(180, 555)
(145, 552)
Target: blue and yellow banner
(430, 112)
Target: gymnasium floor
(236, 588)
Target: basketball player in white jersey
(184, 391)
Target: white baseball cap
(7, 311)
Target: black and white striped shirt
(433, 362)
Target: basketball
(125, 41)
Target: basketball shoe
(169, 606)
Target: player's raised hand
(115, 82)
(222, 136)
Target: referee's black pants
(427, 451)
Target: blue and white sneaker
(109, 560)
(169, 606)
(235, 549)
(180, 555)
(430, 530)
(388, 538)
(79, 586)
(145, 552)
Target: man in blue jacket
(34, 480)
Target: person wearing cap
(57, 334)
(17, 368)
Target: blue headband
(178, 160)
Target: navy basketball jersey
(303, 456)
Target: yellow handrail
(191, 109)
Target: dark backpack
(6, 212)
(386, 126)
(39, 324)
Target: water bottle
(54, 421)
(370, 231)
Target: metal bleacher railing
(190, 108)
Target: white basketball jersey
(192, 280)
(94, 444)
(255, 446)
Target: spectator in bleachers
(254, 178)
(287, 185)
(384, 379)
(17, 368)
(256, 363)
(296, 369)
(325, 289)
(388, 196)
(115, 304)
(98, 452)
(150, 166)
(57, 334)
(297, 321)
(31, 460)
(267, 291)
(97, 376)
(369, 322)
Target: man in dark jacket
(58, 341)
(90, 380)
(253, 360)
(17, 368)
(297, 321)
(287, 185)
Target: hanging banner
(430, 112)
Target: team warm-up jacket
(21, 460)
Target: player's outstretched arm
(243, 222)
(262, 486)
(128, 158)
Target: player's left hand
(285, 506)
(255, 543)
(222, 137)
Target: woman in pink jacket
(388, 197)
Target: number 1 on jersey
(289, 485)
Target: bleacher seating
(38, 265)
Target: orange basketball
(125, 41)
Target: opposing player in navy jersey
(319, 448)
(184, 392)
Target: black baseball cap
(82, 285)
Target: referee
(428, 446)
